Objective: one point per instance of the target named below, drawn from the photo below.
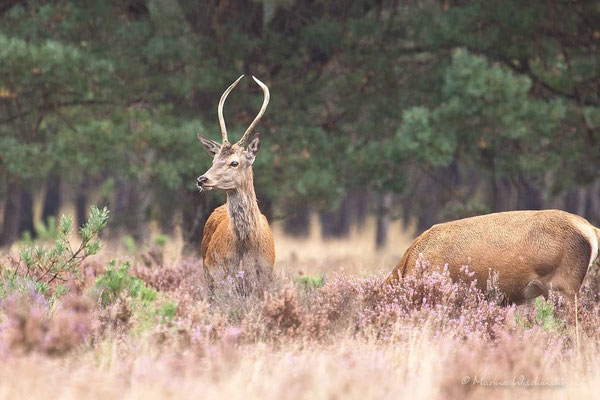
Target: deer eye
(234, 164)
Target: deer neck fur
(244, 212)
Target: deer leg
(534, 289)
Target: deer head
(232, 163)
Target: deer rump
(532, 251)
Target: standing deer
(532, 251)
(236, 233)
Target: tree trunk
(384, 206)
(26, 213)
(140, 201)
(428, 203)
(196, 209)
(530, 197)
(199, 16)
(592, 212)
(336, 223)
(52, 198)
(297, 222)
(210, 18)
(129, 211)
(265, 204)
(81, 206)
(493, 188)
(166, 212)
(10, 227)
(504, 195)
(362, 208)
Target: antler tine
(220, 109)
(265, 89)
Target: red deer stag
(531, 251)
(236, 233)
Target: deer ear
(253, 147)
(212, 147)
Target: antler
(220, 109)
(265, 89)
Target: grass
(419, 367)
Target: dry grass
(419, 367)
(355, 254)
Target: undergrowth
(146, 302)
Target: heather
(131, 324)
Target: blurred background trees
(422, 110)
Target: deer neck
(244, 212)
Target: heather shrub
(476, 368)
(186, 274)
(493, 292)
(30, 324)
(238, 294)
(117, 317)
(25, 321)
(431, 296)
(282, 312)
(588, 307)
(590, 290)
(12, 281)
(129, 302)
(70, 325)
(274, 309)
(153, 257)
(339, 303)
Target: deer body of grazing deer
(236, 233)
(531, 251)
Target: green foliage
(373, 97)
(44, 232)
(117, 281)
(486, 116)
(37, 75)
(545, 314)
(161, 240)
(130, 244)
(310, 282)
(44, 270)
(11, 281)
(167, 310)
(463, 209)
(61, 262)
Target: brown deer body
(531, 251)
(236, 234)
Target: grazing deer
(531, 251)
(236, 233)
